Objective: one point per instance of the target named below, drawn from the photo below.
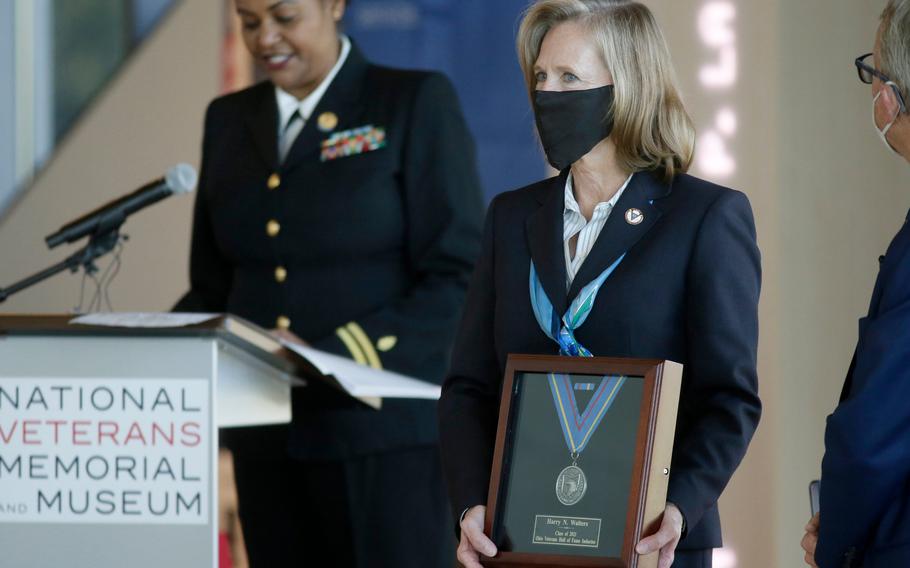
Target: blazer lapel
(263, 124)
(544, 230)
(344, 99)
(618, 235)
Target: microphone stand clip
(99, 244)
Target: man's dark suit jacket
(378, 247)
(687, 291)
(865, 488)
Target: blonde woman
(672, 259)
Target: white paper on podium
(366, 382)
(143, 319)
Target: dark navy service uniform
(361, 242)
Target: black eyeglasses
(867, 72)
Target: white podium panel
(108, 444)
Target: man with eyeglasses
(865, 486)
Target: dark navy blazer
(865, 490)
(687, 291)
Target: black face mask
(571, 123)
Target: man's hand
(665, 539)
(810, 539)
(473, 541)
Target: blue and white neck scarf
(562, 330)
(577, 425)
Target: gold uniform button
(274, 181)
(281, 274)
(272, 228)
(327, 121)
(283, 322)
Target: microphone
(180, 179)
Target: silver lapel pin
(634, 216)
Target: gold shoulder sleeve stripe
(351, 344)
(363, 341)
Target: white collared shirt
(288, 103)
(574, 223)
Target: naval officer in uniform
(339, 204)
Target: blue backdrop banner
(473, 42)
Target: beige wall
(827, 199)
(748, 506)
(842, 198)
(147, 121)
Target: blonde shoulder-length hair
(651, 128)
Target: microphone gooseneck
(180, 179)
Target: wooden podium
(109, 436)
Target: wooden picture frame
(657, 384)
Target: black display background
(537, 453)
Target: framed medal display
(582, 460)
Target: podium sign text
(105, 451)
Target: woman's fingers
(467, 555)
(472, 533)
(477, 539)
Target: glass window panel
(86, 42)
(90, 41)
(147, 14)
(7, 97)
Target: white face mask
(883, 132)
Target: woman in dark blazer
(685, 267)
(339, 204)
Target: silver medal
(571, 485)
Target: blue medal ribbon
(577, 426)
